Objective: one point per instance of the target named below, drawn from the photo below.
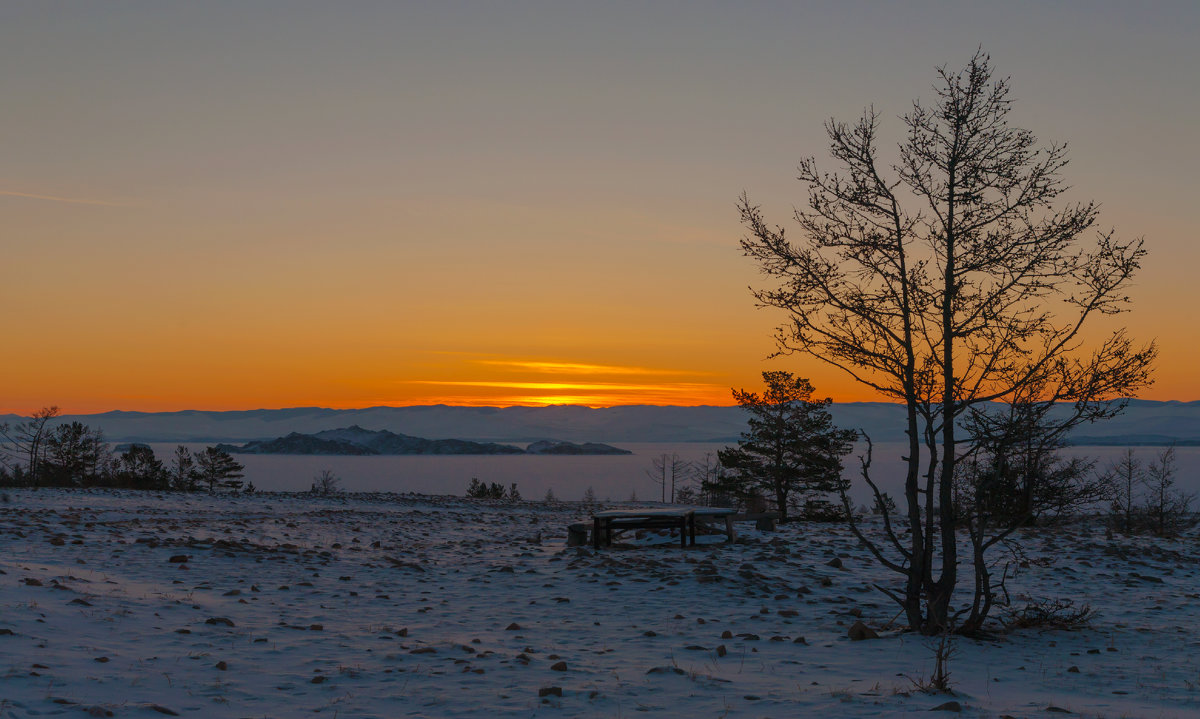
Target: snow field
(382, 605)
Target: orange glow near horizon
(495, 382)
(220, 207)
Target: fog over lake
(613, 477)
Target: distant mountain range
(355, 440)
(1144, 420)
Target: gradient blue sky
(233, 205)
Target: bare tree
(326, 482)
(75, 455)
(948, 282)
(1011, 476)
(667, 472)
(1166, 507)
(704, 474)
(25, 442)
(1125, 476)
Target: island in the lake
(355, 440)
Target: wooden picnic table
(607, 523)
(604, 524)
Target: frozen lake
(613, 477)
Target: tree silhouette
(215, 466)
(945, 282)
(792, 450)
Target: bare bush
(326, 483)
(1050, 614)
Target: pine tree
(792, 450)
(216, 466)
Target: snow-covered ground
(396, 605)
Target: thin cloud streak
(68, 200)
(569, 367)
(561, 386)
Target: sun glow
(581, 392)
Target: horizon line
(474, 406)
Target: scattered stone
(30, 581)
(836, 563)
(1058, 710)
(722, 651)
(666, 670)
(859, 631)
(514, 627)
(951, 706)
(558, 667)
(178, 558)
(550, 692)
(223, 621)
(162, 710)
(221, 665)
(1072, 670)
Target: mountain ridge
(1164, 420)
(355, 440)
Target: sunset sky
(231, 205)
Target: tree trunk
(942, 590)
(916, 568)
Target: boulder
(859, 631)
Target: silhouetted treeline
(37, 453)
(479, 490)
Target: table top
(622, 513)
(714, 511)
